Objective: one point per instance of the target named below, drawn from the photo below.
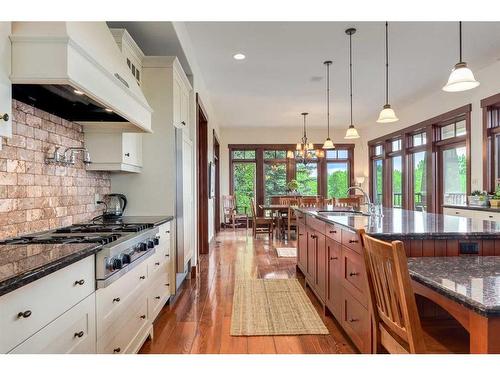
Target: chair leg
(234, 222)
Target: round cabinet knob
(78, 334)
(157, 263)
(157, 297)
(143, 246)
(353, 273)
(117, 299)
(151, 244)
(143, 316)
(117, 264)
(80, 282)
(24, 314)
(157, 241)
(142, 277)
(117, 350)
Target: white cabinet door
(188, 198)
(73, 332)
(132, 149)
(184, 107)
(177, 102)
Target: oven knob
(117, 263)
(143, 246)
(157, 240)
(125, 258)
(151, 244)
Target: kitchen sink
(342, 213)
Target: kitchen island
(331, 258)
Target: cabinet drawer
(353, 274)
(316, 224)
(352, 241)
(116, 299)
(119, 338)
(44, 300)
(158, 294)
(334, 279)
(356, 322)
(334, 232)
(158, 261)
(487, 215)
(73, 332)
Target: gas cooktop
(101, 238)
(103, 227)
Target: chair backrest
(228, 203)
(288, 201)
(392, 300)
(310, 202)
(254, 210)
(347, 202)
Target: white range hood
(82, 55)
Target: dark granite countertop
(403, 224)
(475, 208)
(472, 281)
(23, 264)
(154, 220)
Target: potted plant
(495, 198)
(478, 198)
(292, 186)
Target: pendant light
(305, 149)
(387, 113)
(328, 145)
(351, 132)
(461, 77)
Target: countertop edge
(456, 297)
(472, 208)
(16, 282)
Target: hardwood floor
(198, 319)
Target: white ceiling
(283, 74)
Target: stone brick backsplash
(35, 196)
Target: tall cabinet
(153, 191)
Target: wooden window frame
(433, 144)
(291, 165)
(489, 183)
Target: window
(454, 169)
(276, 155)
(419, 181)
(397, 182)
(337, 179)
(433, 150)
(274, 180)
(491, 138)
(244, 155)
(307, 177)
(244, 186)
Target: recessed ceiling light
(108, 110)
(239, 56)
(78, 92)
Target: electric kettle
(115, 205)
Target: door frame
(216, 158)
(202, 169)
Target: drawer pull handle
(117, 299)
(313, 236)
(301, 234)
(334, 258)
(167, 284)
(78, 334)
(353, 273)
(143, 316)
(157, 297)
(127, 154)
(352, 320)
(167, 255)
(25, 314)
(457, 213)
(333, 231)
(80, 282)
(167, 231)
(117, 350)
(353, 241)
(142, 277)
(157, 263)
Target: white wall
(439, 102)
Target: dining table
(277, 211)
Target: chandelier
(304, 151)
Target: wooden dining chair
(231, 215)
(348, 202)
(392, 301)
(310, 202)
(261, 224)
(290, 220)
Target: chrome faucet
(71, 159)
(368, 202)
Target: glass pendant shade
(461, 79)
(310, 146)
(351, 133)
(328, 145)
(298, 147)
(290, 154)
(387, 115)
(320, 153)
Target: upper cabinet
(5, 84)
(181, 94)
(131, 52)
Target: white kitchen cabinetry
(181, 94)
(461, 212)
(115, 151)
(26, 310)
(131, 52)
(5, 84)
(71, 333)
(472, 214)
